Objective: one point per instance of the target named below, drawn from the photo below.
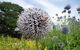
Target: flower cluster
(33, 21)
(67, 8)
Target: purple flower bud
(67, 7)
(64, 11)
(55, 38)
(69, 12)
(78, 9)
(60, 44)
(64, 30)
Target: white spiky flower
(31, 20)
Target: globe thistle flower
(78, 10)
(64, 11)
(33, 21)
(78, 19)
(67, 7)
(56, 14)
(64, 29)
(60, 44)
(69, 12)
(74, 18)
(55, 38)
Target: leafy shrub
(8, 16)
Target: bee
(44, 18)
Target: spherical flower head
(64, 29)
(78, 9)
(67, 7)
(64, 11)
(55, 38)
(69, 12)
(31, 20)
(60, 44)
(74, 18)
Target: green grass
(70, 41)
(8, 43)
